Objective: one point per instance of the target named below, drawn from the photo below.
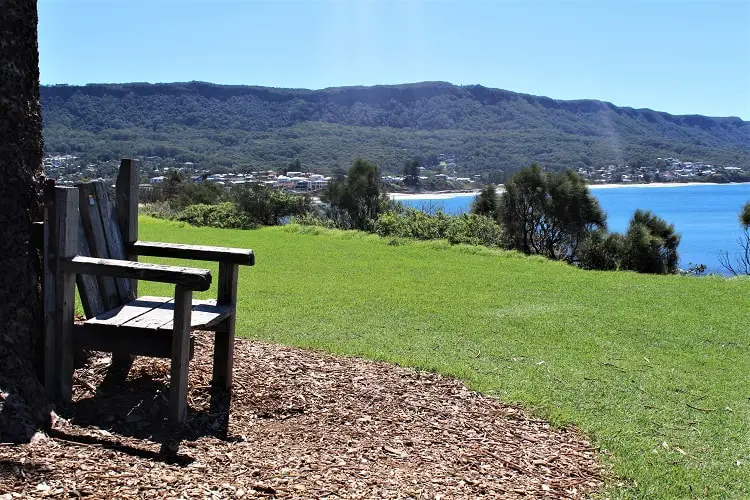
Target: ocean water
(705, 215)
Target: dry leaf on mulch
(301, 424)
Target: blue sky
(684, 57)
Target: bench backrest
(109, 222)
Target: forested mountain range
(484, 129)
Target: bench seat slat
(157, 313)
(205, 314)
(129, 311)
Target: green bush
(475, 229)
(601, 250)
(160, 210)
(412, 223)
(471, 229)
(268, 206)
(224, 215)
(311, 219)
(650, 244)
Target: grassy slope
(620, 355)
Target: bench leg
(224, 339)
(65, 348)
(183, 301)
(223, 354)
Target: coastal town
(442, 176)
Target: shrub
(268, 206)
(197, 193)
(224, 215)
(356, 200)
(412, 223)
(475, 229)
(601, 250)
(471, 229)
(650, 245)
(486, 202)
(160, 210)
(311, 219)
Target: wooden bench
(91, 240)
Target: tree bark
(23, 406)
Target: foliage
(741, 264)
(313, 219)
(224, 215)
(652, 368)
(412, 223)
(548, 213)
(745, 215)
(268, 206)
(650, 245)
(180, 193)
(487, 130)
(601, 250)
(356, 201)
(411, 173)
(486, 202)
(203, 193)
(470, 229)
(475, 229)
(159, 209)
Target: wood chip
(302, 424)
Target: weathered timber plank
(224, 337)
(129, 311)
(126, 207)
(94, 230)
(240, 256)
(205, 314)
(189, 277)
(126, 200)
(51, 358)
(66, 215)
(155, 318)
(88, 286)
(180, 356)
(135, 341)
(115, 247)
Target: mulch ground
(300, 424)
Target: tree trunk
(23, 406)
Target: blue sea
(705, 215)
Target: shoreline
(445, 195)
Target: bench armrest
(240, 256)
(190, 278)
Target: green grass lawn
(655, 369)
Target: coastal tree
(268, 206)
(411, 173)
(650, 244)
(486, 202)
(601, 250)
(548, 213)
(740, 265)
(22, 402)
(356, 200)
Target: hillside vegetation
(483, 129)
(652, 368)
